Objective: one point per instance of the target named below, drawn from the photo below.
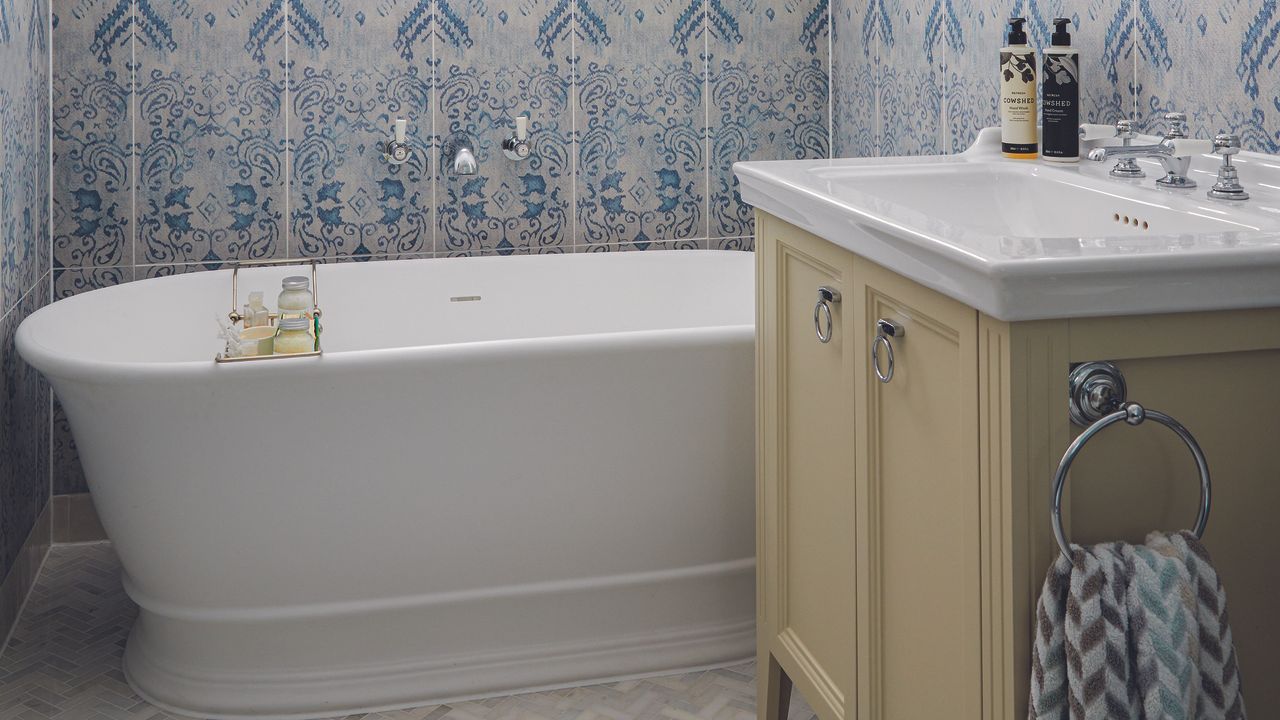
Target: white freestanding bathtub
(550, 485)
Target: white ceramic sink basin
(1026, 240)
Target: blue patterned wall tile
(92, 91)
(1103, 32)
(497, 62)
(210, 130)
(348, 83)
(644, 246)
(908, 68)
(641, 121)
(1220, 65)
(24, 148)
(744, 244)
(768, 79)
(855, 45)
(24, 434)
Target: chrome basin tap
(1174, 153)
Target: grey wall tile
(769, 100)
(358, 67)
(210, 130)
(641, 122)
(92, 126)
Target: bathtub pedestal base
(312, 667)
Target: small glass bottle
(295, 298)
(294, 336)
(255, 312)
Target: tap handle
(1177, 122)
(402, 130)
(1226, 145)
(522, 127)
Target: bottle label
(1061, 106)
(1018, 103)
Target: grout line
(831, 81)
(706, 120)
(26, 294)
(1133, 38)
(35, 576)
(49, 40)
(573, 125)
(288, 148)
(133, 137)
(434, 143)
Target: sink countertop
(1030, 240)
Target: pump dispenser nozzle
(1062, 32)
(1017, 33)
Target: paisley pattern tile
(92, 126)
(24, 148)
(855, 115)
(345, 94)
(24, 433)
(641, 121)
(767, 101)
(908, 71)
(210, 129)
(24, 266)
(1220, 64)
(503, 60)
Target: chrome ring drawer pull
(886, 330)
(822, 315)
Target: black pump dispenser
(1062, 32)
(1061, 97)
(1017, 33)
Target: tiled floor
(64, 662)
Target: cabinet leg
(773, 694)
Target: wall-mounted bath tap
(459, 154)
(517, 146)
(397, 150)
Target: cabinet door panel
(919, 441)
(808, 535)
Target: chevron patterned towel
(1135, 632)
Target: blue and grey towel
(1135, 632)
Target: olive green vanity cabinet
(902, 504)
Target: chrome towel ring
(1133, 414)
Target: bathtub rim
(76, 368)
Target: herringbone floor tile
(63, 663)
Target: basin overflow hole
(465, 298)
(1131, 221)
